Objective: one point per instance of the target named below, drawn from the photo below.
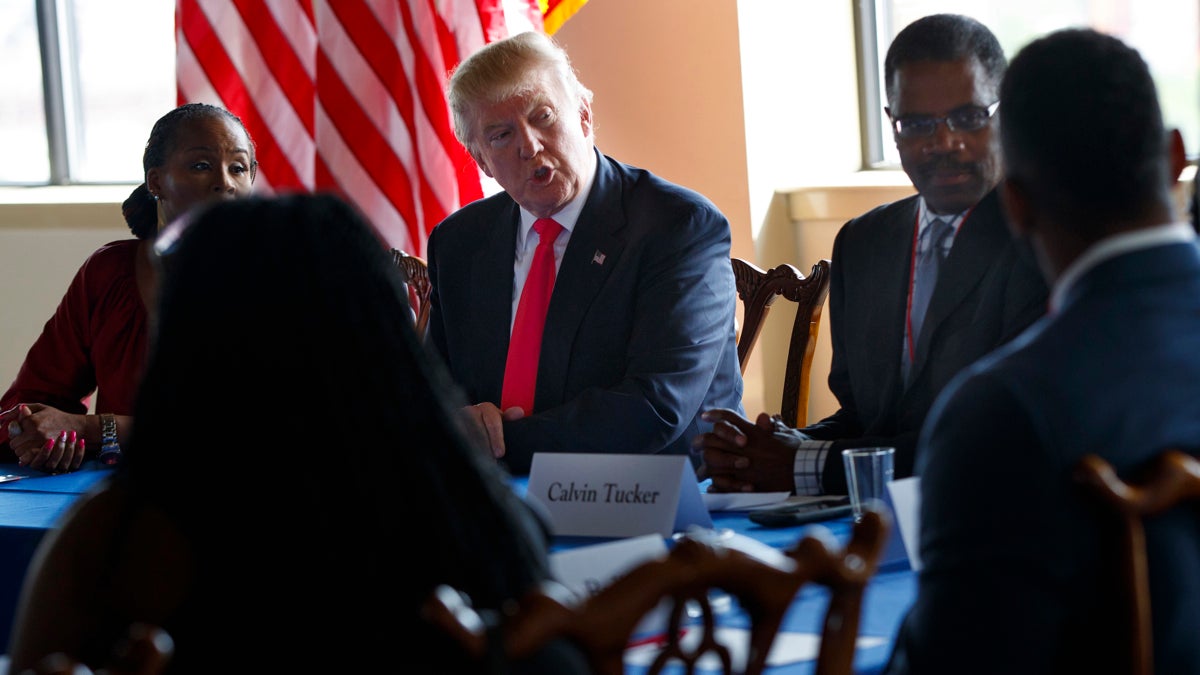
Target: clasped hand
(489, 420)
(44, 438)
(744, 456)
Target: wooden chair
(146, 650)
(758, 289)
(1172, 478)
(416, 275)
(603, 624)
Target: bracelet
(110, 450)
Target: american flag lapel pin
(598, 258)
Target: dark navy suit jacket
(988, 290)
(1019, 576)
(640, 335)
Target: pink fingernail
(49, 444)
(63, 436)
(72, 436)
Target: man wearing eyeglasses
(920, 287)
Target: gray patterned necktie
(925, 275)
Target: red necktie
(525, 344)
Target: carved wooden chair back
(416, 275)
(758, 290)
(1172, 478)
(603, 625)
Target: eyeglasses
(966, 118)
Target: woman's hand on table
(45, 438)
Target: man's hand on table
(744, 456)
(489, 420)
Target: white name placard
(906, 504)
(605, 495)
(587, 569)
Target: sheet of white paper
(906, 502)
(741, 501)
(787, 648)
(756, 549)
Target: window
(1166, 32)
(22, 115)
(108, 72)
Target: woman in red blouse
(96, 341)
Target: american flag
(348, 96)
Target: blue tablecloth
(28, 508)
(31, 506)
(887, 598)
(76, 482)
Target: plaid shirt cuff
(809, 467)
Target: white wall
(42, 244)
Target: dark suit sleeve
(844, 423)
(992, 567)
(678, 352)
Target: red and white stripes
(348, 96)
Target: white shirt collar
(1111, 247)
(567, 216)
(926, 217)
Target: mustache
(942, 164)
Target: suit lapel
(590, 258)
(895, 271)
(492, 288)
(982, 236)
